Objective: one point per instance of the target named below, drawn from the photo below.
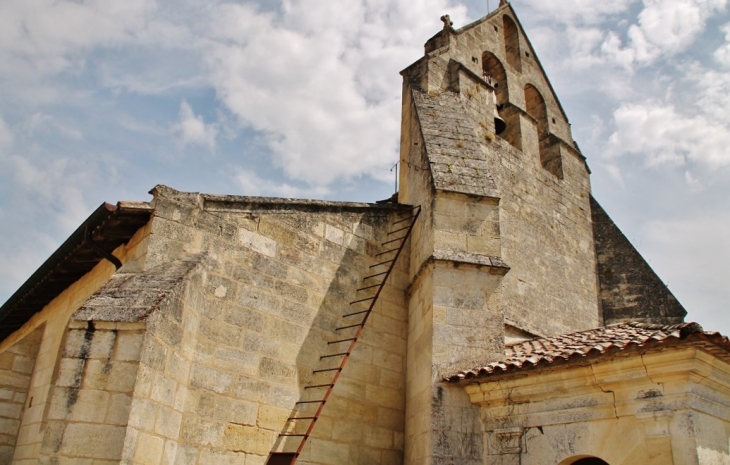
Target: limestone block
(202, 432)
(221, 457)
(256, 459)
(257, 242)
(168, 423)
(9, 426)
(178, 367)
(334, 234)
(141, 412)
(118, 410)
(219, 332)
(210, 378)
(378, 437)
(154, 354)
(129, 346)
(249, 439)
(163, 390)
(94, 441)
(272, 418)
(166, 329)
(149, 449)
(329, 453)
(276, 370)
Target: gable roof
(623, 338)
(108, 227)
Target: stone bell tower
(505, 249)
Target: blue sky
(100, 100)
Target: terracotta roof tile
(623, 337)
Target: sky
(100, 100)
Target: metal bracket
(101, 252)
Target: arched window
(549, 152)
(535, 106)
(512, 43)
(589, 461)
(493, 67)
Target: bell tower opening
(492, 67)
(512, 43)
(549, 152)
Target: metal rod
(398, 230)
(394, 240)
(386, 252)
(381, 263)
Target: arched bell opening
(584, 460)
(495, 74)
(549, 150)
(535, 106)
(492, 67)
(512, 43)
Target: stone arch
(583, 460)
(493, 67)
(535, 107)
(512, 43)
(549, 151)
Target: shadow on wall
(348, 413)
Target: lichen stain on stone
(651, 393)
(73, 392)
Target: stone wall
(279, 275)
(629, 288)
(92, 393)
(653, 408)
(54, 319)
(16, 368)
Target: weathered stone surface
(629, 288)
(133, 297)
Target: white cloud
(40, 37)
(192, 129)
(322, 83)
(57, 185)
(662, 135)
(663, 28)
(604, 32)
(694, 184)
(713, 94)
(584, 11)
(251, 184)
(614, 172)
(722, 54)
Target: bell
(499, 124)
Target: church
(490, 312)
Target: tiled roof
(599, 342)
